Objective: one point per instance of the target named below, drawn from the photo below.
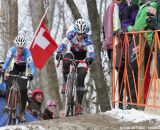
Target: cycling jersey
(21, 60)
(86, 44)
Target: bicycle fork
(14, 103)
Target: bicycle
(13, 106)
(71, 92)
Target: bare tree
(101, 87)
(10, 17)
(60, 5)
(50, 14)
(75, 12)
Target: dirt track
(88, 122)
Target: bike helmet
(50, 103)
(36, 90)
(20, 41)
(1, 64)
(81, 26)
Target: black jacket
(34, 107)
(47, 115)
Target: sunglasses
(52, 105)
(21, 48)
(80, 34)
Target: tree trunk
(37, 11)
(101, 87)
(48, 73)
(50, 13)
(51, 68)
(10, 16)
(75, 12)
(13, 20)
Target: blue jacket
(26, 58)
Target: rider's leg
(23, 91)
(81, 74)
(66, 64)
(24, 97)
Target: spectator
(50, 110)
(127, 12)
(35, 102)
(145, 20)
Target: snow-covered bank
(132, 115)
(21, 127)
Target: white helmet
(81, 26)
(20, 41)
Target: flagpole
(38, 27)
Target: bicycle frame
(13, 97)
(71, 92)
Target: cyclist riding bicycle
(81, 48)
(22, 61)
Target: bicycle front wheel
(68, 100)
(12, 112)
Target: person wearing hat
(34, 106)
(50, 110)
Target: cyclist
(81, 48)
(20, 58)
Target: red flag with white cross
(43, 46)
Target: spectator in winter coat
(145, 20)
(111, 23)
(127, 13)
(34, 106)
(50, 110)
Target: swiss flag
(42, 47)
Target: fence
(135, 69)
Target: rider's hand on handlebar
(59, 56)
(89, 60)
(30, 77)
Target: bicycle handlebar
(16, 76)
(72, 60)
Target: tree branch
(75, 12)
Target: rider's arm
(10, 53)
(90, 48)
(30, 62)
(67, 40)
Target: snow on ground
(132, 115)
(22, 127)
